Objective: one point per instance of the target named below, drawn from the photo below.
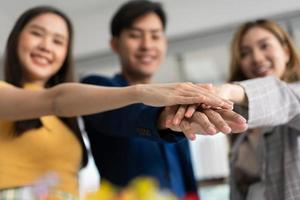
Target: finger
(237, 127)
(209, 100)
(175, 128)
(230, 115)
(190, 110)
(237, 123)
(203, 123)
(179, 114)
(215, 101)
(217, 120)
(229, 103)
(204, 106)
(207, 86)
(170, 112)
(187, 129)
(200, 95)
(210, 90)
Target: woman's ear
(287, 53)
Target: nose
(257, 56)
(45, 44)
(146, 42)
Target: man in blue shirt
(133, 141)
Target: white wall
(91, 17)
(184, 17)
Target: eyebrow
(259, 41)
(35, 26)
(156, 30)
(263, 39)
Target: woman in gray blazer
(265, 160)
(265, 69)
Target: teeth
(146, 59)
(262, 70)
(40, 59)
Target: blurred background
(199, 33)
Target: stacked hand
(178, 94)
(204, 118)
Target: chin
(149, 73)
(150, 70)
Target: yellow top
(51, 148)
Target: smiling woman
(38, 55)
(265, 159)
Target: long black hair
(13, 69)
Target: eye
(36, 33)
(134, 35)
(156, 37)
(265, 46)
(244, 53)
(59, 42)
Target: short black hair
(130, 11)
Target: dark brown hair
(14, 73)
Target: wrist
(135, 93)
(238, 94)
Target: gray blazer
(274, 106)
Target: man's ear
(114, 44)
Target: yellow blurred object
(142, 188)
(106, 192)
(145, 188)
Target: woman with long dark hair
(38, 131)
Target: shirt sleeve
(272, 102)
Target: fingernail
(241, 119)
(188, 115)
(211, 130)
(226, 129)
(175, 121)
(192, 137)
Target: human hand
(222, 90)
(166, 118)
(179, 93)
(233, 92)
(206, 122)
(229, 91)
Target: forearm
(77, 99)
(69, 99)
